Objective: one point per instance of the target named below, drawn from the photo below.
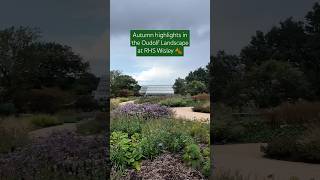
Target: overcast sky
(193, 15)
(81, 24)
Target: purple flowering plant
(144, 111)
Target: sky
(82, 24)
(193, 15)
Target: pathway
(248, 158)
(187, 113)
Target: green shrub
(151, 99)
(125, 151)
(177, 102)
(305, 148)
(202, 107)
(127, 125)
(43, 120)
(281, 147)
(200, 132)
(196, 87)
(192, 156)
(45, 100)
(94, 126)
(164, 134)
(309, 145)
(7, 109)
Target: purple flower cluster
(145, 111)
(60, 156)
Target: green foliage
(93, 126)
(200, 132)
(35, 73)
(274, 82)
(196, 82)
(150, 99)
(177, 102)
(43, 120)
(122, 85)
(200, 74)
(127, 125)
(164, 134)
(198, 159)
(192, 156)
(7, 109)
(125, 151)
(226, 78)
(179, 86)
(248, 128)
(305, 147)
(196, 87)
(45, 100)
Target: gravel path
(248, 159)
(126, 102)
(187, 113)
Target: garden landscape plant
(143, 132)
(144, 111)
(60, 156)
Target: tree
(120, 82)
(312, 65)
(200, 74)
(196, 87)
(274, 82)
(12, 42)
(179, 86)
(226, 78)
(48, 65)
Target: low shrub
(43, 120)
(192, 156)
(125, 151)
(62, 155)
(45, 100)
(202, 107)
(198, 159)
(151, 99)
(177, 102)
(97, 125)
(7, 109)
(164, 134)
(127, 125)
(293, 113)
(200, 132)
(305, 148)
(144, 111)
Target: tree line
(41, 76)
(280, 65)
